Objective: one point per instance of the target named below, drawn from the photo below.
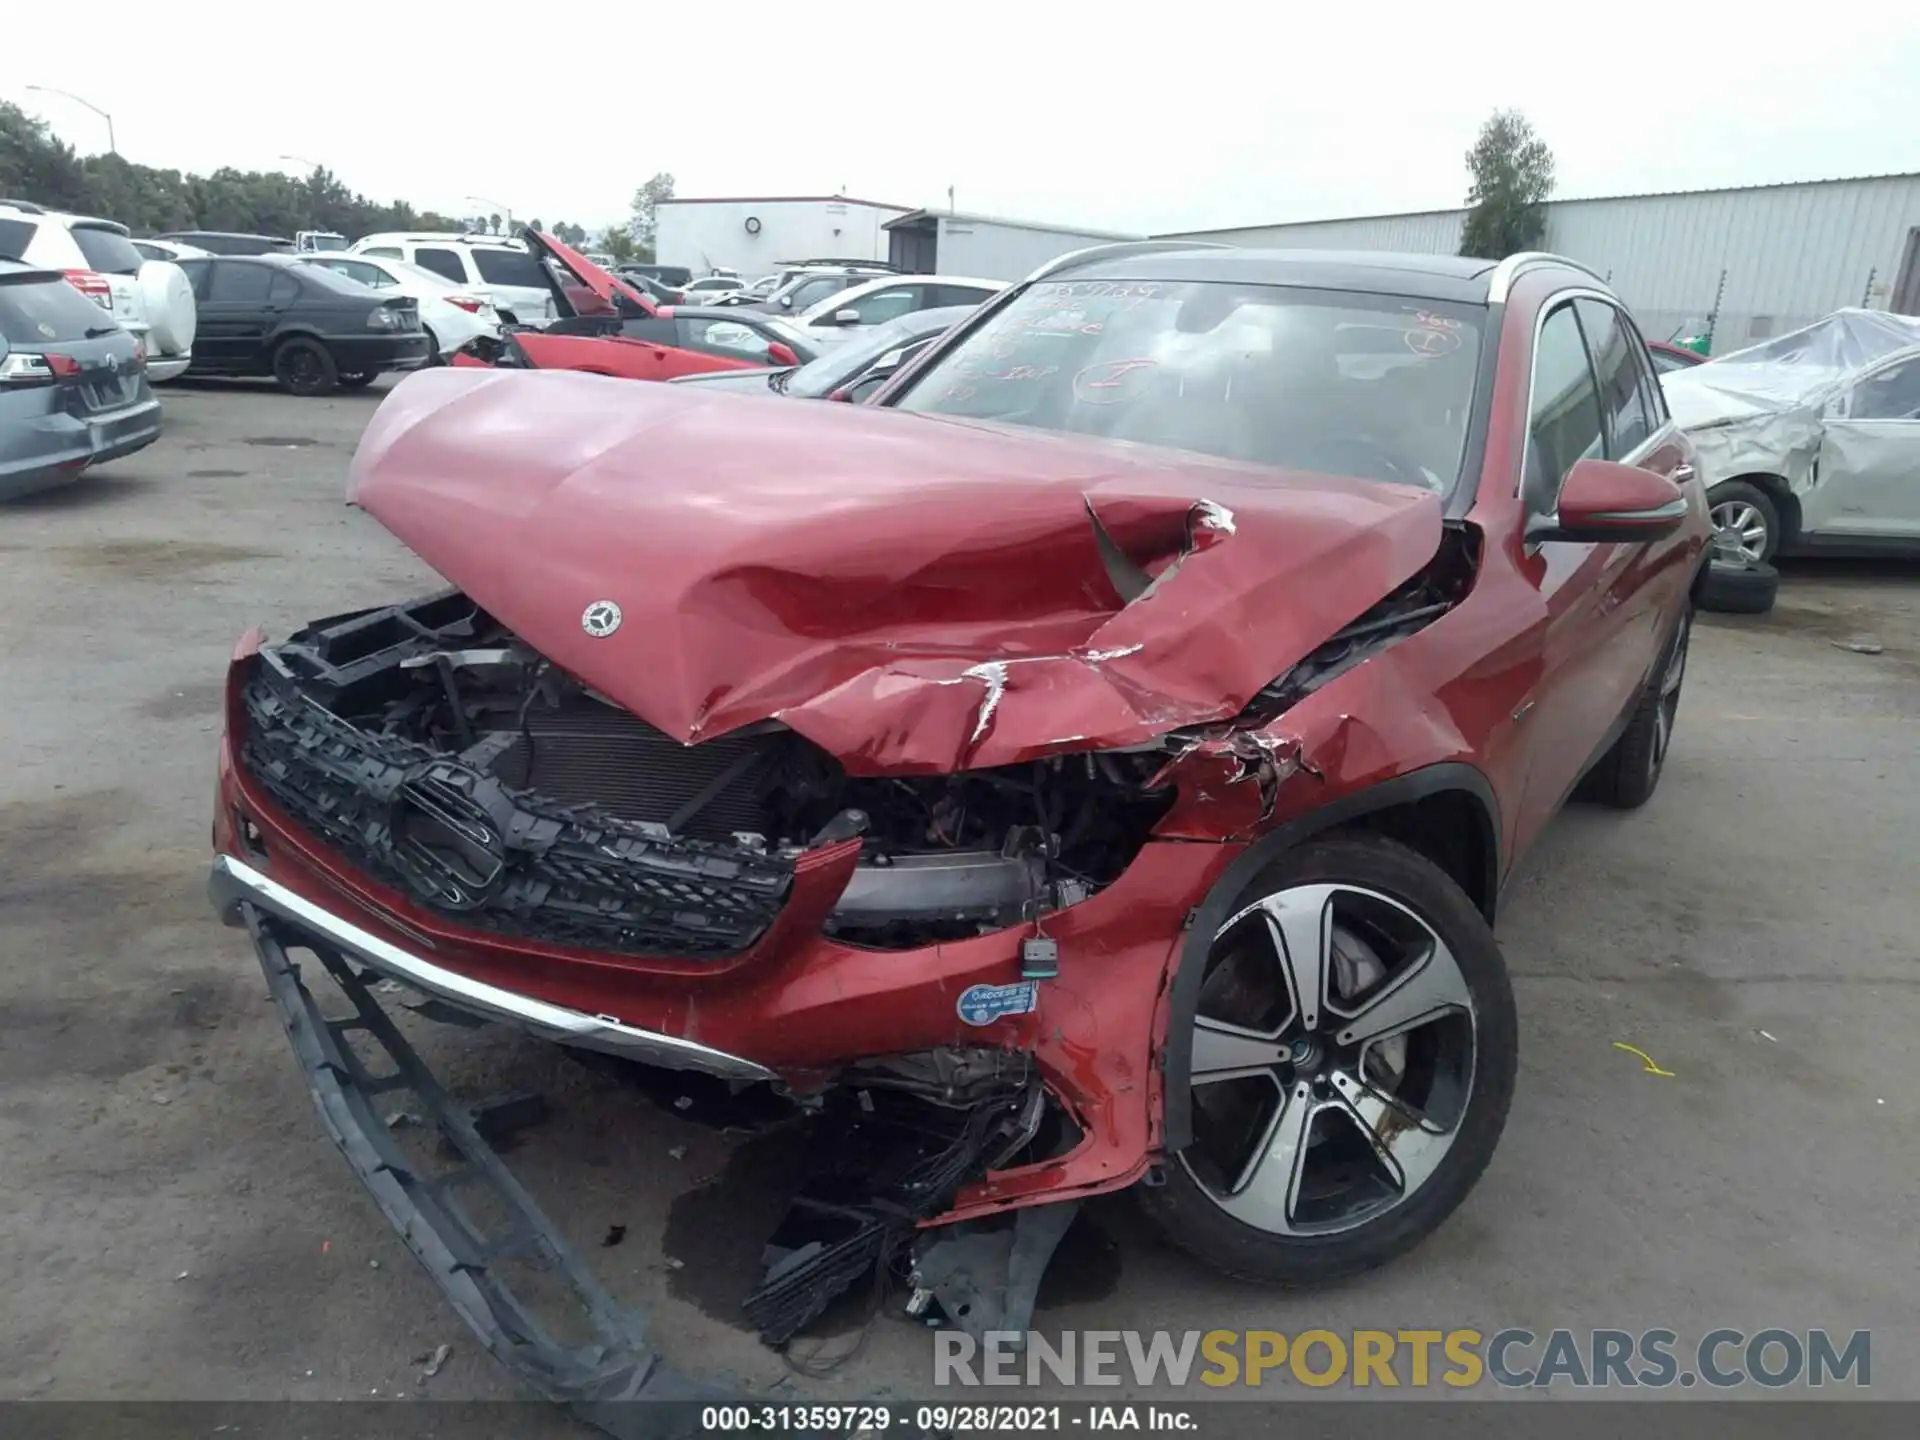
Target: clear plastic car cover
(1765, 409)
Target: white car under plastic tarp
(1833, 410)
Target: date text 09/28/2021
(857, 1421)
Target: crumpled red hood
(911, 594)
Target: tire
(304, 367)
(1629, 772)
(1733, 590)
(359, 381)
(1743, 506)
(171, 312)
(1217, 1200)
(434, 357)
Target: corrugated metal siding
(1792, 253)
(994, 250)
(1434, 233)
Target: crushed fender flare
(1176, 1056)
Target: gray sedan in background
(857, 368)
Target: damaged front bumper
(234, 887)
(615, 1380)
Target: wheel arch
(1426, 809)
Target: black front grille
(489, 853)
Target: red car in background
(1093, 763)
(609, 327)
(1668, 357)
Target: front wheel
(359, 380)
(1747, 520)
(303, 367)
(1353, 1058)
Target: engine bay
(477, 733)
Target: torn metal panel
(838, 568)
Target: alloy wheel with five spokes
(1351, 1063)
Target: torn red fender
(913, 595)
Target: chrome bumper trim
(233, 883)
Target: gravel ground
(173, 1222)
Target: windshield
(846, 362)
(1373, 386)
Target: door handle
(1682, 473)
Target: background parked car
(851, 371)
(504, 268)
(835, 318)
(804, 286)
(657, 291)
(73, 387)
(709, 288)
(452, 315)
(672, 276)
(1811, 441)
(150, 298)
(308, 328)
(1668, 357)
(230, 242)
(166, 249)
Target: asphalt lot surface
(174, 1222)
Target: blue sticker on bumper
(984, 1004)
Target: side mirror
(781, 354)
(846, 317)
(1604, 502)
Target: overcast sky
(1126, 117)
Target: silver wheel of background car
(1333, 1059)
(1742, 528)
(1668, 705)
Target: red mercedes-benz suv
(1094, 763)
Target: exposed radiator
(591, 753)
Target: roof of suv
(1460, 278)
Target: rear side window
(958, 295)
(285, 288)
(443, 263)
(651, 329)
(107, 251)
(1616, 366)
(46, 312)
(509, 267)
(1563, 421)
(15, 236)
(240, 284)
(723, 337)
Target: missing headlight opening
(449, 758)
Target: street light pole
(112, 149)
(302, 160)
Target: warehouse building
(946, 242)
(755, 235)
(1749, 263)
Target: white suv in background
(502, 268)
(151, 299)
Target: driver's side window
(1563, 416)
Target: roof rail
(1118, 250)
(1511, 268)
